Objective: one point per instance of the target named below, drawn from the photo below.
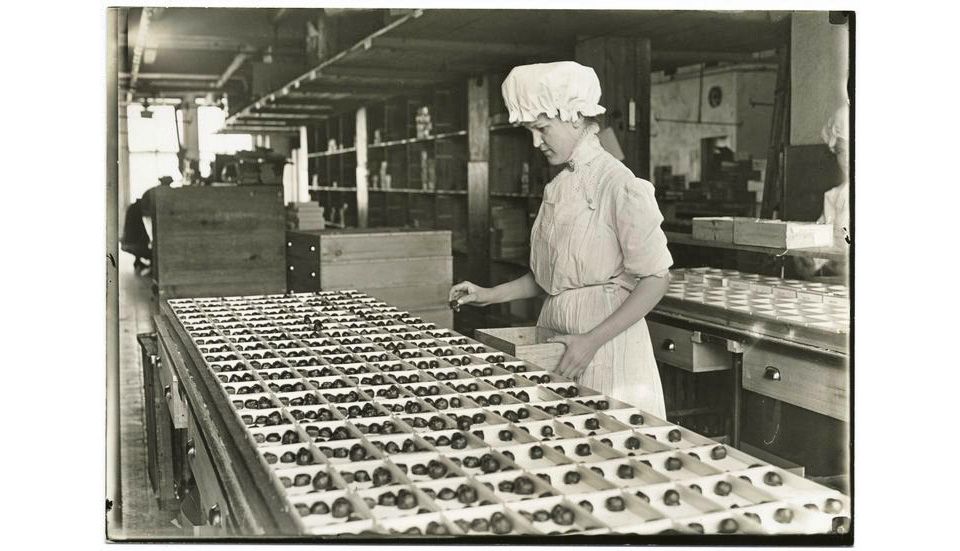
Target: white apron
(597, 230)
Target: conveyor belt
(369, 422)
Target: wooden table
(821, 356)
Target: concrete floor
(141, 516)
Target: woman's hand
(466, 292)
(580, 350)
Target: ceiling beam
(314, 73)
(515, 49)
(232, 68)
(171, 76)
(201, 42)
(337, 93)
(247, 129)
(292, 107)
(331, 84)
(279, 116)
(142, 32)
(674, 56)
(383, 73)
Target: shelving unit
(332, 167)
(417, 175)
(406, 141)
(332, 153)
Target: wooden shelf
(505, 195)
(331, 153)
(406, 141)
(331, 188)
(422, 191)
(686, 239)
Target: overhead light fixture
(146, 113)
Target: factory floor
(141, 516)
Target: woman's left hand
(580, 350)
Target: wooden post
(360, 137)
(478, 180)
(642, 101)
(623, 66)
(772, 205)
(303, 167)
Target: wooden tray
(526, 343)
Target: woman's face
(555, 138)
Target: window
(153, 147)
(155, 141)
(209, 121)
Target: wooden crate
(218, 241)
(719, 228)
(407, 268)
(374, 244)
(780, 234)
(526, 343)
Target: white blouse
(598, 222)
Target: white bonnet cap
(838, 126)
(563, 89)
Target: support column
(363, 200)
(623, 66)
(303, 168)
(478, 180)
(190, 146)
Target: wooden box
(218, 241)
(779, 234)
(713, 228)
(526, 343)
(409, 269)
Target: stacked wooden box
(778, 234)
(782, 235)
(511, 231)
(218, 241)
(305, 216)
(410, 269)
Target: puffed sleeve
(638, 220)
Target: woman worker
(836, 208)
(596, 247)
